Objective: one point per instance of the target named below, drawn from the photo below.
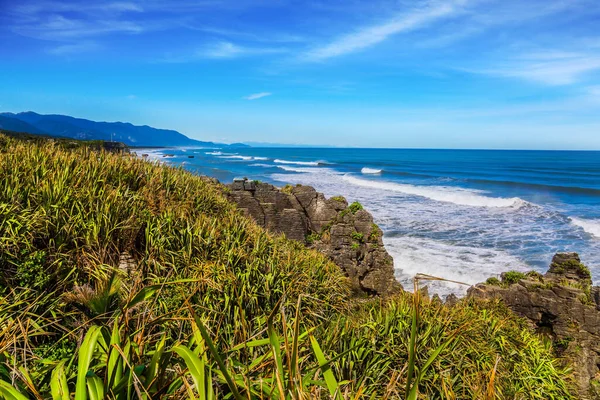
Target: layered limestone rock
(561, 304)
(347, 234)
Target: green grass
(211, 305)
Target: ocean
(463, 215)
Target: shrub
(375, 232)
(534, 275)
(359, 237)
(313, 237)
(510, 277)
(355, 207)
(468, 347)
(493, 281)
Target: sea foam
(367, 170)
(466, 264)
(315, 163)
(245, 158)
(591, 226)
(305, 170)
(464, 197)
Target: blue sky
(379, 73)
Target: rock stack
(561, 304)
(345, 233)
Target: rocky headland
(561, 304)
(345, 233)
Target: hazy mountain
(78, 128)
(13, 124)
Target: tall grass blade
(10, 393)
(95, 387)
(215, 353)
(86, 352)
(196, 367)
(330, 380)
(58, 383)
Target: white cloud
(550, 68)
(231, 50)
(73, 48)
(369, 36)
(223, 50)
(256, 96)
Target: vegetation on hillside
(122, 278)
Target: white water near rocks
(465, 228)
(460, 215)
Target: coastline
(413, 252)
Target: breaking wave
(591, 226)
(446, 194)
(314, 163)
(367, 170)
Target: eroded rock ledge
(345, 233)
(562, 304)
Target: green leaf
(155, 362)
(10, 393)
(275, 346)
(143, 295)
(330, 380)
(149, 291)
(196, 367)
(86, 352)
(58, 383)
(95, 387)
(215, 353)
(114, 365)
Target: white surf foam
(245, 158)
(367, 170)
(591, 226)
(214, 153)
(261, 165)
(447, 194)
(261, 158)
(305, 170)
(464, 264)
(315, 163)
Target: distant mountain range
(83, 129)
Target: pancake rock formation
(345, 233)
(562, 304)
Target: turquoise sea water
(464, 215)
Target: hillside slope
(130, 279)
(83, 129)
(16, 125)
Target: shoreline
(410, 253)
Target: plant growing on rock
(511, 277)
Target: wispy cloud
(218, 51)
(66, 21)
(230, 50)
(372, 35)
(256, 96)
(551, 67)
(74, 48)
(222, 50)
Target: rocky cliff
(345, 233)
(561, 304)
